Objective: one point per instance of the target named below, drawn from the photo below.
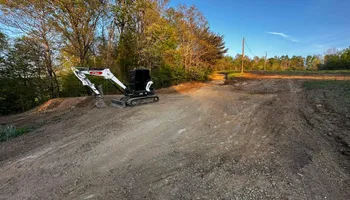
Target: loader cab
(138, 81)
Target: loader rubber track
(126, 101)
(142, 100)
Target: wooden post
(265, 61)
(242, 70)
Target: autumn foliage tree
(175, 43)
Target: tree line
(333, 59)
(175, 43)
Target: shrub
(166, 76)
(9, 131)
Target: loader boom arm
(81, 73)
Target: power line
(249, 48)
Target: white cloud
(285, 36)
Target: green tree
(22, 84)
(76, 21)
(31, 18)
(297, 63)
(309, 62)
(177, 44)
(316, 62)
(225, 63)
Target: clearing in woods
(254, 137)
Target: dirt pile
(64, 104)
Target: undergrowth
(10, 131)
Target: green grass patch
(228, 71)
(234, 75)
(290, 72)
(10, 131)
(328, 85)
(334, 71)
(305, 72)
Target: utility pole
(265, 61)
(242, 56)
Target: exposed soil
(247, 139)
(181, 88)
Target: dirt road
(250, 139)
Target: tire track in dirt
(252, 139)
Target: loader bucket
(100, 103)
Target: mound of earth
(64, 103)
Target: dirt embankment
(250, 139)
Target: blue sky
(279, 27)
